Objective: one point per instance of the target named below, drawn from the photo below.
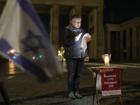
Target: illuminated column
(93, 32)
(100, 33)
(134, 44)
(96, 48)
(54, 26)
(128, 44)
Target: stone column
(96, 26)
(93, 31)
(121, 45)
(134, 44)
(128, 44)
(139, 42)
(54, 26)
(100, 33)
(116, 51)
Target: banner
(110, 81)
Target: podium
(108, 85)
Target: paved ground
(23, 89)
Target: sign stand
(108, 86)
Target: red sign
(110, 81)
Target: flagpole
(4, 93)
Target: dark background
(117, 11)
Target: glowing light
(12, 51)
(106, 59)
(33, 57)
(40, 56)
(60, 54)
(11, 66)
(14, 57)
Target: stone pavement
(23, 89)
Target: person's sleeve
(68, 38)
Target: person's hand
(87, 37)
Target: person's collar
(70, 27)
(77, 30)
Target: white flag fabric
(24, 40)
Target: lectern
(108, 85)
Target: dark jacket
(73, 48)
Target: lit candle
(106, 58)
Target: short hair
(75, 16)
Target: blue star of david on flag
(32, 42)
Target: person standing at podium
(75, 42)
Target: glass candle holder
(106, 58)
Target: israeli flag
(24, 40)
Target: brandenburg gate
(91, 9)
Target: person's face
(76, 22)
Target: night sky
(117, 11)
